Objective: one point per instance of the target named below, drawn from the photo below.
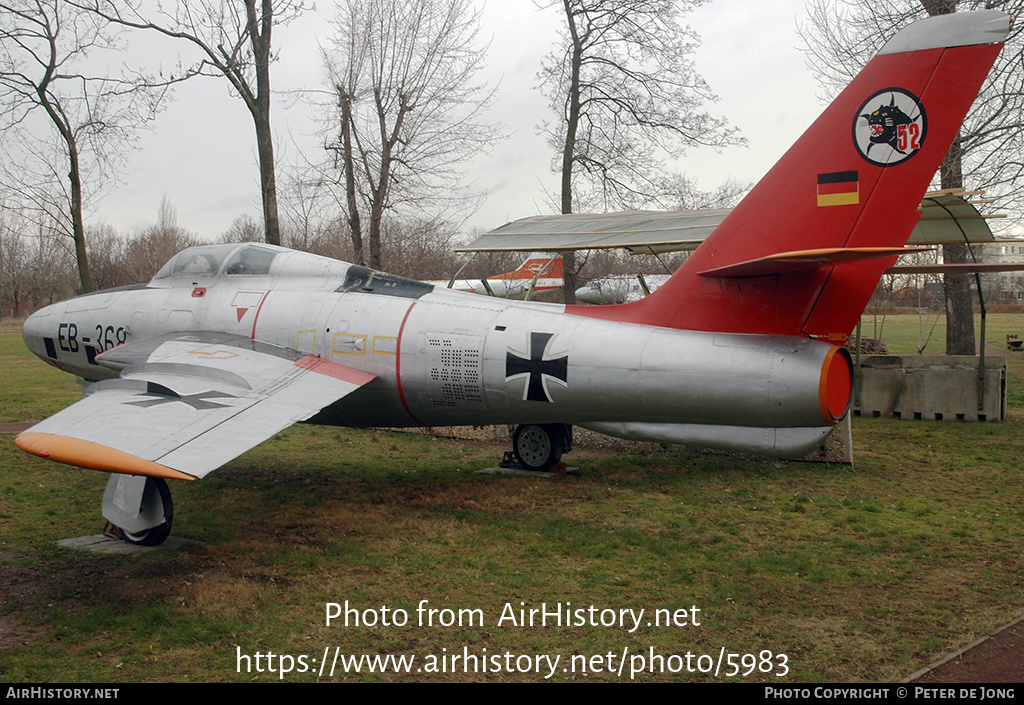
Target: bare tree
(35, 266)
(118, 260)
(308, 207)
(234, 41)
(63, 129)
(15, 261)
(346, 76)
(842, 35)
(149, 250)
(106, 255)
(680, 193)
(627, 96)
(244, 228)
(403, 77)
(421, 249)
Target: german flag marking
(838, 188)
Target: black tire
(158, 534)
(538, 447)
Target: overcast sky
(201, 154)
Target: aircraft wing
(186, 403)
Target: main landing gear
(539, 447)
(140, 507)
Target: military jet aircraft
(741, 349)
(539, 272)
(619, 288)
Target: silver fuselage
(445, 357)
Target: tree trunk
(376, 222)
(59, 119)
(75, 179)
(569, 153)
(957, 287)
(77, 221)
(268, 184)
(959, 305)
(259, 28)
(382, 191)
(348, 169)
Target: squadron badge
(890, 127)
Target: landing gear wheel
(538, 447)
(158, 534)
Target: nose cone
(593, 294)
(38, 333)
(585, 294)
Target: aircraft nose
(38, 334)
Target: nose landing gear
(140, 507)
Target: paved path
(996, 658)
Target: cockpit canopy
(208, 260)
(206, 265)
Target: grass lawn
(800, 571)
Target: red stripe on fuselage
(398, 366)
(257, 316)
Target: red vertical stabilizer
(549, 265)
(800, 254)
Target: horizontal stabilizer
(797, 260)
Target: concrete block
(931, 387)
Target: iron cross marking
(537, 367)
(200, 401)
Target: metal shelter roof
(943, 215)
(634, 230)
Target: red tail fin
(797, 256)
(550, 266)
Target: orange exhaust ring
(835, 387)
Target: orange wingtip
(93, 456)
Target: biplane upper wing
(186, 403)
